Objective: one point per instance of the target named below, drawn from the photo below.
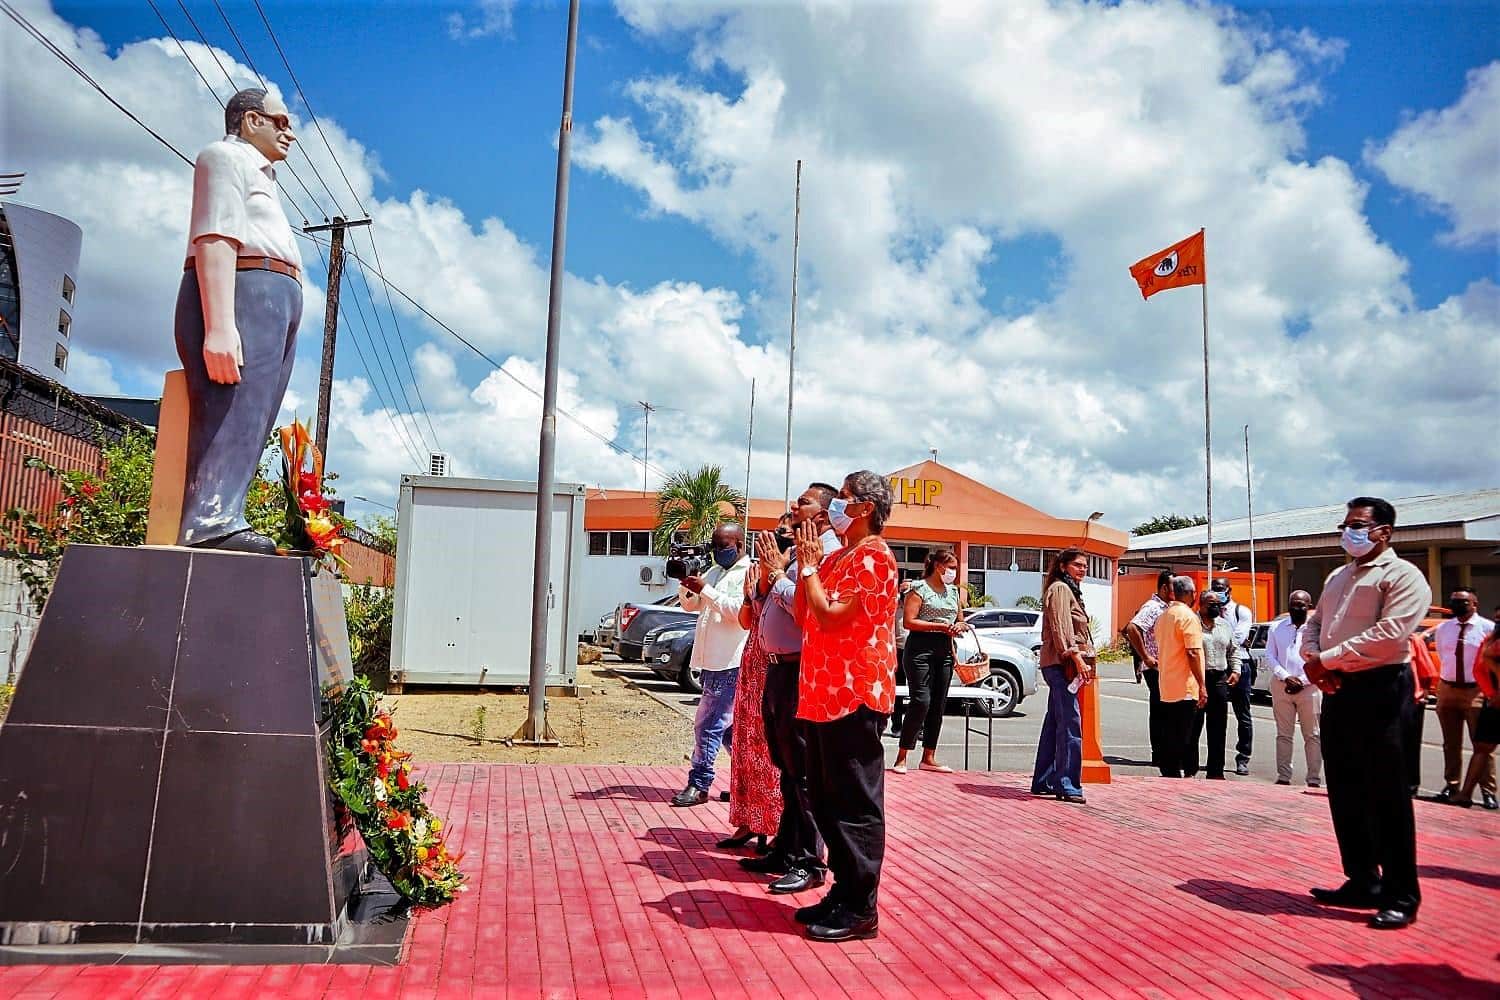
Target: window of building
(640, 543)
(1028, 560)
(64, 322)
(60, 358)
(598, 543)
(1100, 568)
(619, 543)
(976, 557)
(68, 289)
(1000, 556)
(10, 293)
(976, 580)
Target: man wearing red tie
(1459, 640)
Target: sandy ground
(612, 724)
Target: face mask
(726, 557)
(1211, 612)
(837, 515)
(1356, 542)
(1298, 615)
(1461, 608)
(949, 575)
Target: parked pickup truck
(633, 621)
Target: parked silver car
(1020, 625)
(1255, 645)
(1013, 670)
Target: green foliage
(977, 597)
(383, 528)
(1168, 522)
(1028, 602)
(693, 503)
(7, 692)
(477, 725)
(369, 611)
(105, 509)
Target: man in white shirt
(236, 323)
(1294, 699)
(1458, 640)
(1240, 619)
(717, 646)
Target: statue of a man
(237, 315)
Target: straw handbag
(970, 666)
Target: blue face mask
(1356, 542)
(837, 515)
(726, 557)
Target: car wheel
(1004, 681)
(691, 679)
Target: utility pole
(647, 409)
(535, 731)
(330, 321)
(791, 349)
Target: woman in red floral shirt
(846, 603)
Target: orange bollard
(1095, 771)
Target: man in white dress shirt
(237, 314)
(1458, 641)
(1294, 699)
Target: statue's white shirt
(235, 196)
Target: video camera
(688, 560)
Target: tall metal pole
(1208, 441)
(1250, 512)
(749, 450)
(647, 408)
(535, 728)
(330, 322)
(791, 354)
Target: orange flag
(1178, 265)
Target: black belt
(783, 658)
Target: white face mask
(949, 575)
(1356, 542)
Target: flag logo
(1178, 265)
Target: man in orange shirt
(1184, 692)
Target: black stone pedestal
(162, 772)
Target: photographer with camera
(718, 644)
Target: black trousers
(1413, 714)
(1368, 787)
(846, 775)
(929, 670)
(1239, 699)
(797, 839)
(1215, 718)
(1153, 687)
(1179, 746)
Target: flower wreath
(373, 778)
(310, 520)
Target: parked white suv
(1019, 625)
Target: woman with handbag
(1067, 656)
(930, 616)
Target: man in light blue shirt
(797, 854)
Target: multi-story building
(39, 255)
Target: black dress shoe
(770, 864)
(1390, 920)
(841, 925)
(1282, 781)
(690, 796)
(1348, 895)
(815, 913)
(797, 880)
(241, 541)
(1075, 798)
(1490, 802)
(723, 796)
(1242, 769)
(1448, 794)
(729, 843)
(1215, 777)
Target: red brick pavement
(587, 883)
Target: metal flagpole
(749, 446)
(1250, 511)
(791, 354)
(535, 729)
(1208, 442)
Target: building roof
(1426, 511)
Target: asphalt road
(1127, 742)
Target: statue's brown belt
(256, 264)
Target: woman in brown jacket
(1067, 653)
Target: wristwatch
(808, 571)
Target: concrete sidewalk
(587, 883)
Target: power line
(395, 372)
(381, 364)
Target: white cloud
(91, 375)
(493, 17)
(1452, 158)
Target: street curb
(653, 695)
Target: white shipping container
(463, 582)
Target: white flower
(379, 790)
(420, 829)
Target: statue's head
(261, 120)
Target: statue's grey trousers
(228, 424)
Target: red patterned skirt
(754, 782)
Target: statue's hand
(221, 355)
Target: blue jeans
(711, 726)
(1059, 752)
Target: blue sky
(1015, 282)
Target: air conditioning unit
(437, 464)
(653, 576)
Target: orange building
(1004, 543)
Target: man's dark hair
(1163, 578)
(253, 99)
(874, 489)
(825, 492)
(1382, 510)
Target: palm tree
(693, 503)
